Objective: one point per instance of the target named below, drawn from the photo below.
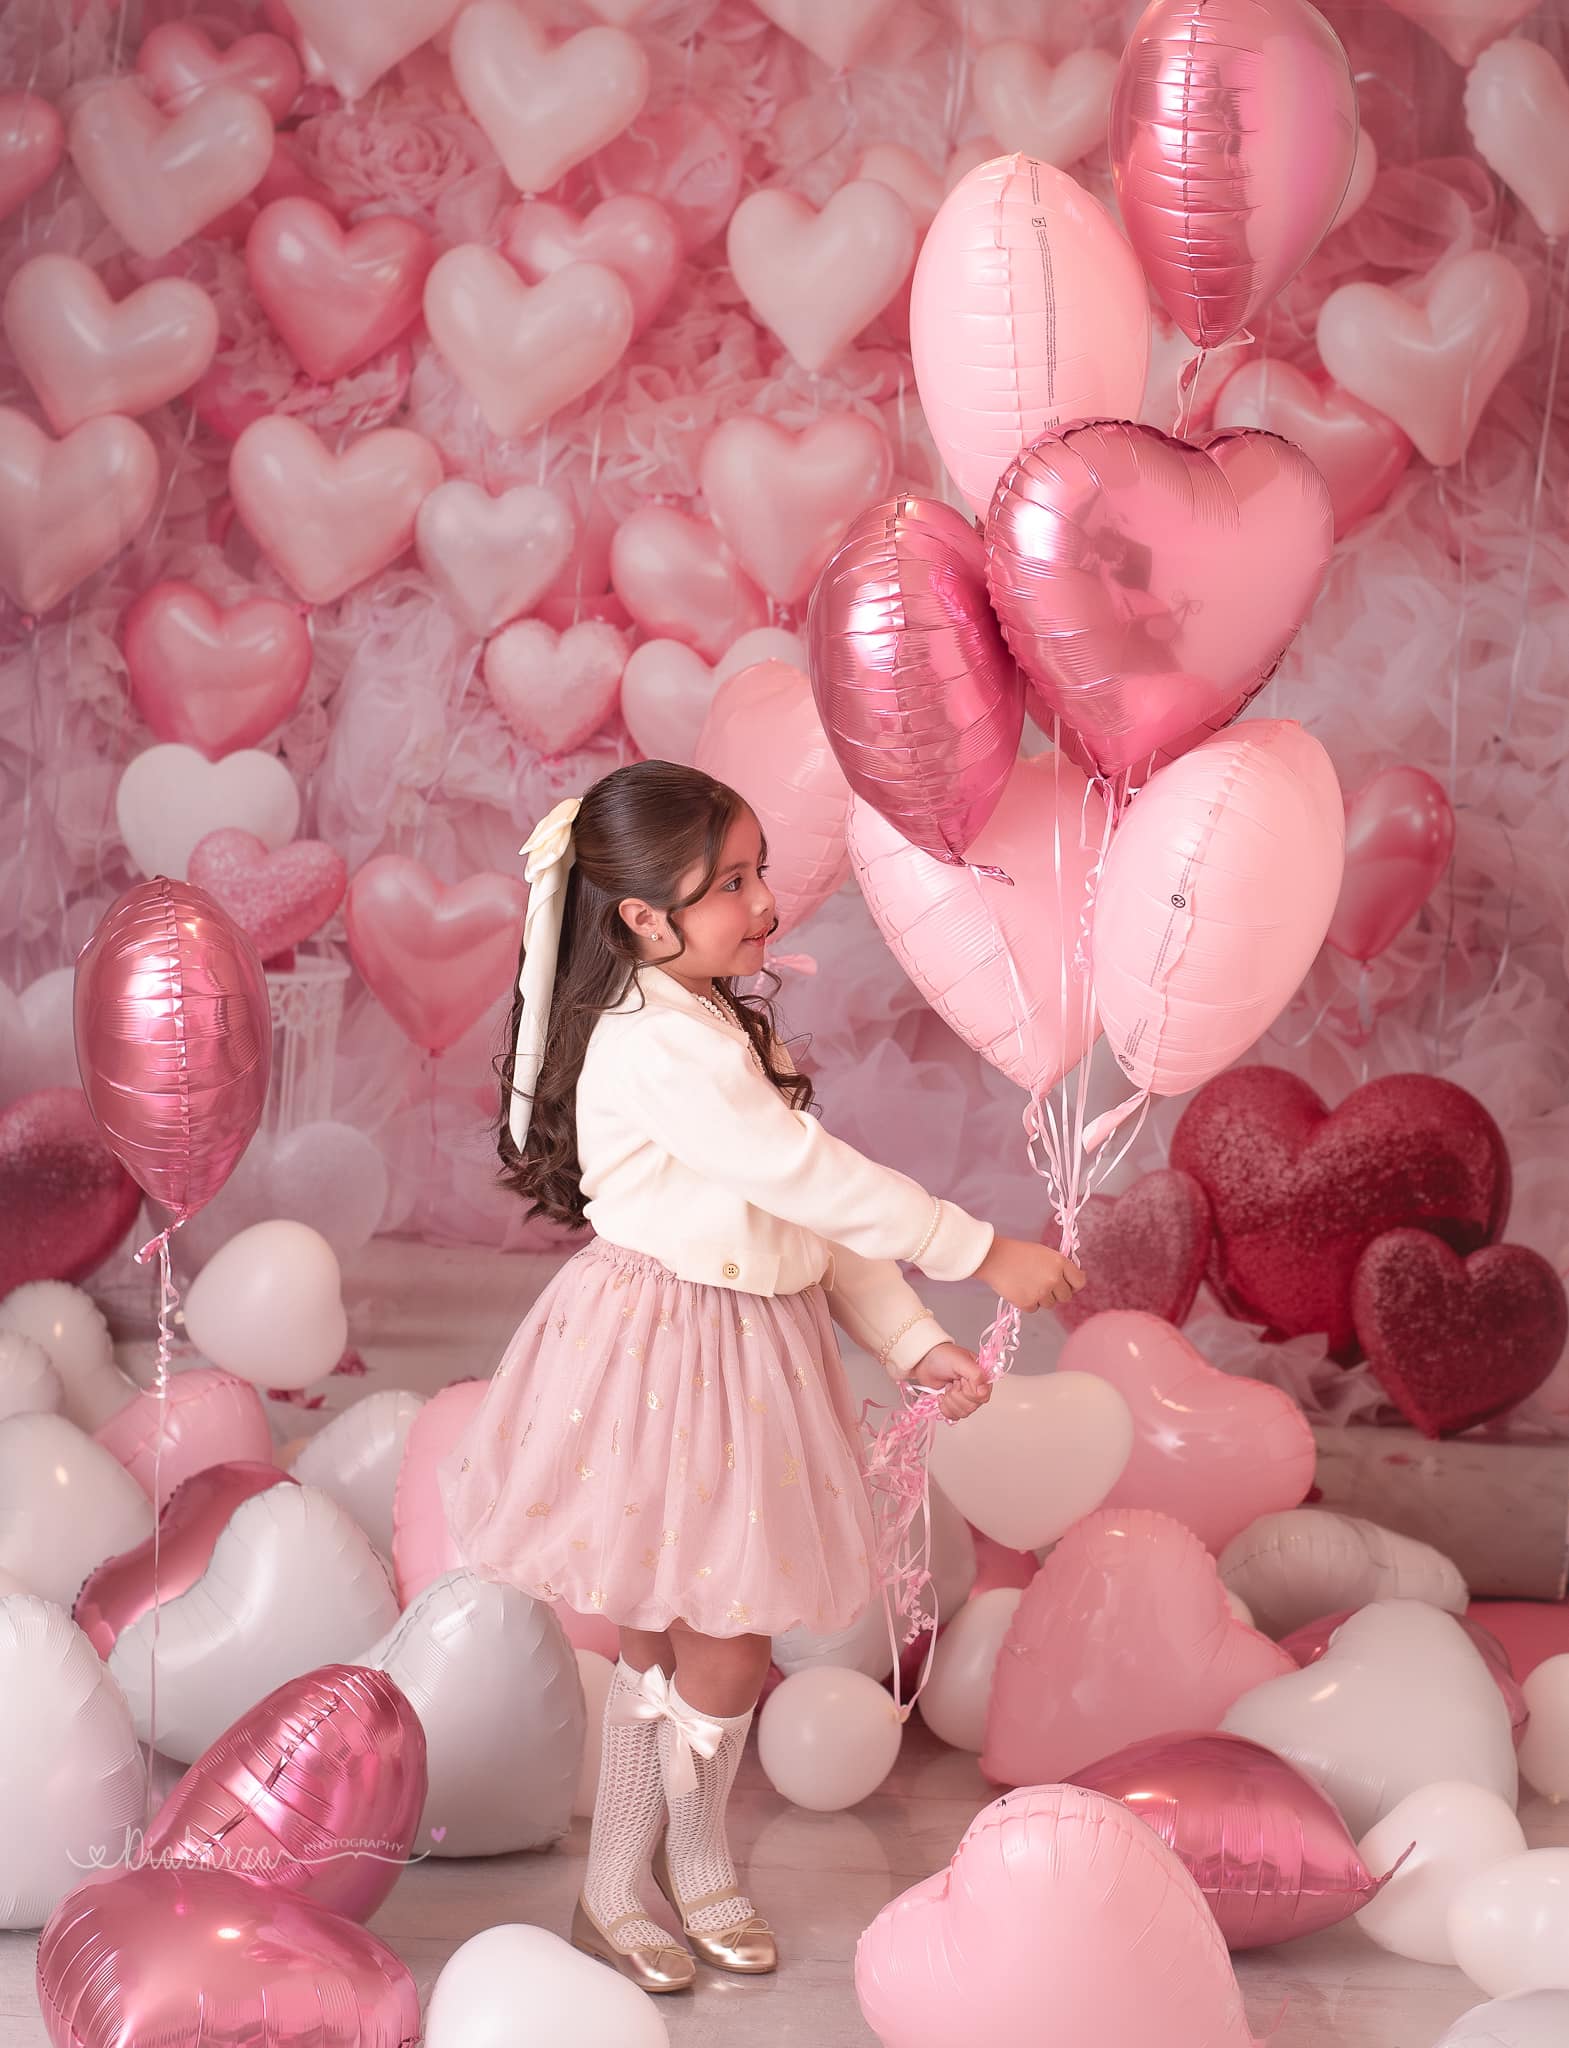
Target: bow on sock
(656, 1699)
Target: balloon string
(168, 1302)
(1561, 293)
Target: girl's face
(726, 928)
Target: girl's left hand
(957, 1372)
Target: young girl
(670, 1439)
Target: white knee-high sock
(628, 1810)
(696, 1843)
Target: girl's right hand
(1028, 1274)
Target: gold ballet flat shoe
(748, 1947)
(669, 1967)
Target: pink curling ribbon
(694, 1733)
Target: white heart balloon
(327, 1175)
(1534, 2019)
(66, 1504)
(1401, 1699)
(170, 797)
(70, 1327)
(269, 1306)
(1458, 1830)
(72, 1780)
(29, 1384)
(1510, 1925)
(355, 1457)
(515, 1986)
(1045, 1451)
(596, 1673)
(1294, 1567)
(495, 1684)
(291, 1583)
(1544, 1747)
(954, 1702)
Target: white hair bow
(549, 856)
(694, 1734)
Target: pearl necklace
(728, 1019)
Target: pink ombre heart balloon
(1062, 1921)
(545, 107)
(337, 295)
(492, 558)
(1360, 454)
(435, 955)
(328, 521)
(680, 581)
(85, 355)
(160, 178)
(1517, 109)
(633, 235)
(354, 46)
(1149, 587)
(67, 507)
(764, 738)
(178, 60)
(1054, 112)
(277, 898)
(215, 677)
(783, 500)
(554, 689)
(1212, 1450)
(999, 965)
(1124, 1633)
(520, 351)
(65, 1201)
(1429, 355)
(206, 1418)
(1400, 833)
(32, 142)
(1464, 28)
(818, 278)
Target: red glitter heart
(65, 1200)
(1144, 1249)
(1453, 1341)
(1298, 1192)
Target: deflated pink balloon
(68, 507)
(160, 178)
(1149, 587)
(1233, 132)
(918, 695)
(1400, 833)
(764, 738)
(215, 677)
(999, 964)
(1266, 1848)
(337, 295)
(1028, 310)
(205, 1417)
(174, 1040)
(435, 955)
(1308, 1643)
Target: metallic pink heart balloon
(277, 899)
(316, 1791)
(195, 1515)
(201, 1959)
(919, 697)
(215, 677)
(174, 1040)
(1149, 587)
(1264, 1845)
(434, 955)
(1308, 1643)
(1400, 832)
(1233, 133)
(65, 1203)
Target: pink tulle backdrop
(1425, 649)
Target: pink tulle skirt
(652, 1449)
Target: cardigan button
(731, 1270)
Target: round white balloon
(1510, 1925)
(1544, 1748)
(1304, 1563)
(1458, 1830)
(515, 1985)
(953, 1704)
(268, 1306)
(827, 1738)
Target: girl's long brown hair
(638, 832)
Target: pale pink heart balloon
(554, 689)
(1056, 113)
(1360, 454)
(1400, 833)
(1211, 1449)
(435, 955)
(523, 351)
(67, 507)
(160, 178)
(32, 142)
(633, 235)
(1517, 109)
(1429, 355)
(667, 689)
(178, 60)
(208, 1418)
(210, 676)
(327, 522)
(337, 295)
(783, 500)
(685, 157)
(1062, 1921)
(1464, 28)
(492, 558)
(276, 897)
(840, 32)
(353, 46)
(85, 355)
(545, 107)
(679, 580)
(818, 278)
(997, 964)
(764, 738)
(1123, 1633)
(917, 184)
